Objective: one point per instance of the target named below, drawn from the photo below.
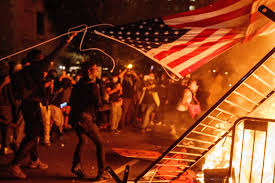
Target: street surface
(59, 156)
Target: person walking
(28, 87)
(85, 101)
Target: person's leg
(119, 113)
(82, 140)
(57, 117)
(123, 115)
(66, 111)
(94, 134)
(33, 128)
(113, 117)
(8, 139)
(129, 112)
(46, 118)
(146, 118)
(25, 147)
(19, 133)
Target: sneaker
(16, 171)
(77, 171)
(38, 164)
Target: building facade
(24, 23)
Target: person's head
(115, 79)
(14, 66)
(34, 55)
(64, 73)
(184, 81)
(193, 85)
(89, 70)
(52, 74)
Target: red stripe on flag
(208, 58)
(200, 49)
(200, 37)
(210, 8)
(217, 19)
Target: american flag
(185, 41)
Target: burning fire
(250, 163)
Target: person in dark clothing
(85, 101)
(163, 97)
(28, 87)
(128, 89)
(9, 109)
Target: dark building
(24, 23)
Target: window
(40, 24)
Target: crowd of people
(35, 102)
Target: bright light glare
(130, 66)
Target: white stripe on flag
(199, 17)
(183, 39)
(214, 37)
(237, 23)
(200, 56)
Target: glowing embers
(253, 156)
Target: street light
(130, 66)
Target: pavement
(59, 156)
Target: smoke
(220, 74)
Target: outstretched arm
(45, 63)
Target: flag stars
(156, 39)
(176, 32)
(141, 26)
(166, 33)
(111, 32)
(156, 33)
(129, 38)
(128, 33)
(165, 39)
(103, 32)
(147, 39)
(137, 33)
(120, 32)
(122, 28)
(161, 25)
(144, 23)
(156, 20)
(137, 38)
(150, 28)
